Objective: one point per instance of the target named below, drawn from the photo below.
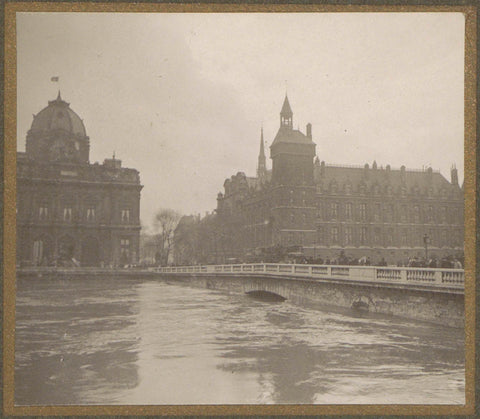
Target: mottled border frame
(468, 8)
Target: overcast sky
(182, 97)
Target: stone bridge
(433, 295)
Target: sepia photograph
(240, 209)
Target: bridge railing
(432, 277)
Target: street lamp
(426, 240)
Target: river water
(132, 341)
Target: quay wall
(424, 305)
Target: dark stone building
(71, 212)
(371, 211)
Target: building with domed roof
(327, 210)
(69, 211)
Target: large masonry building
(372, 211)
(69, 211)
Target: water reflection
(148, 342)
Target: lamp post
(426, 240)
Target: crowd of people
(449, 262)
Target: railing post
(403, 276)
(438, 277)
(329, 271)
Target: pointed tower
(286, 115)
(454, 175)
(292, 152)
(262, 163)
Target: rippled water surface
(111, 341)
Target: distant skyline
(182, 97)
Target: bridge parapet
(453, 279)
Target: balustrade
(438, 278)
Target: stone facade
(69, 211)
(364, 211)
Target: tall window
(43, 212)
(389, 236)
(376, 214)
(444, 238)
(348, 210)
(416, 214)
(304, 219)
(291, 197)
(348, 235)
(430, 213)
(334, 234)
(125, 215)
(363, 235)
(124, 250)
(304, 200)
(320, 235)
(377, 236)
(67, 214)
(363, 211)
(404, 237)
(91, 214)
(443, 214)
(334, 210)
(403, 213)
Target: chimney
(309, 130)
(403, 176)
(429, 174)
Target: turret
(454, 175)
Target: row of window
(387, 212)
(378, 236)
(90, 214)
(377, 190)
(362, 236)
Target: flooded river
(120, 341)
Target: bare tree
(164, 224)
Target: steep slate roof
(286, 109)
(382, 177)
(288, 135)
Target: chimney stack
(309, 130)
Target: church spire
(286, 114)
(262, 166)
